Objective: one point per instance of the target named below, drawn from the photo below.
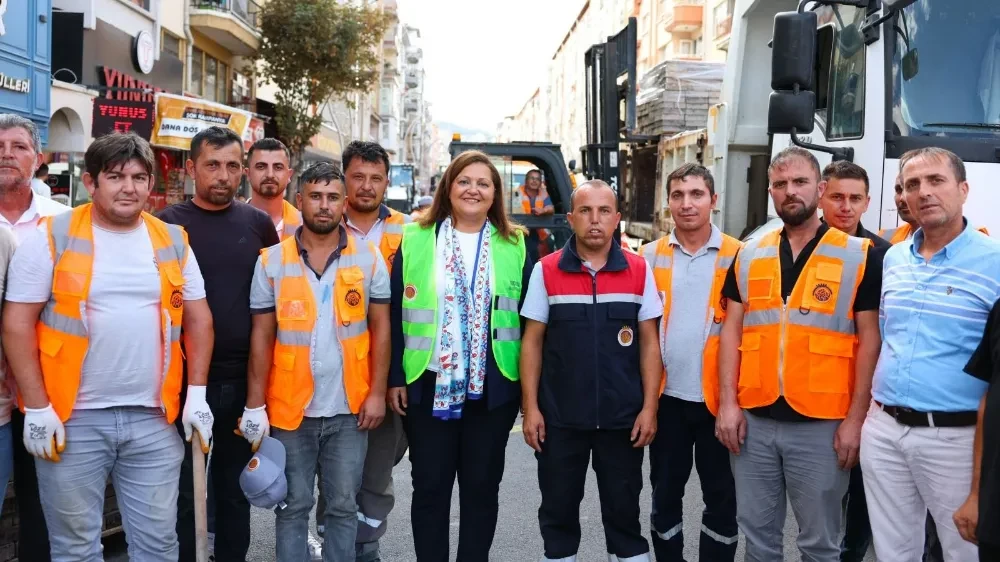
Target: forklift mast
(610, 90)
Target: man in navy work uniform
(590, 376)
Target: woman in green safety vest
(458, 280)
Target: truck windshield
(399, 175)
(946, 69)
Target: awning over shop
(325, 145)
(180, 118)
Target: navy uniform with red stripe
(590, 394)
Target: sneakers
(315, 548)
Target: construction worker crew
(457, 281)
(591, 371)
(228, 236)
(845, 199)
(269, 171)
(798, 346)
(534, 198)
(96, 302)
(319, 363)
(689, 267)
(368, 219)
(937, 294)
(21, 211)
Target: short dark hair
(42, 170)
(371, 152)
(953, 160)
(533, 171)
(691, 170)
(112, 151)
(268, 145)
(321, 172)
(791, 153)
(844, 170)
(217, 137)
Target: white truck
(864, 80)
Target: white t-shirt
(469, 243)
(124, 358)
(28, 221)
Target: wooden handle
(200, 500)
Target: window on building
(686, 47)
(197, 67)
(211, 78)
(144, 4)
(696, 46)
(171, 45)
(222, 95)
(241, 86)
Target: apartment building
(680, 30)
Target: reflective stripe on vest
(659, 256)
(526, 199)
(802, 350)
(392, 235)
(291, 220)
(63, 337)
(420, 300)
(290, 384)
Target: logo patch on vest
(391, 258)
(352, 298)
(176, 299)
(822, 292)
(410, 292)
(625, 336)
(254, 463)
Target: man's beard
(320, 228)
(796, 218)
(364, 207)
(220, 198)
(268, 190)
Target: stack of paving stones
(675, 96)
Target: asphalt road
(517, 538)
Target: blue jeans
(6, 458)
(142, 453)
(338, 448)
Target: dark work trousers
(473, 448)
(858, 531)
(32, 533)
(989, 552)
(932, 546)
(230, 454)
(562, 474)
(686, 437)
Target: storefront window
(211, 79)
(196, 71)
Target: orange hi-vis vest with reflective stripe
(291, 220)
(660, 257)
(62, 329)
(903, 231)
(803, 349)
(392, 236)
(539, 199)
(290, 383)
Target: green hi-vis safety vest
(420, 300)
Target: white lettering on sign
(19, 85)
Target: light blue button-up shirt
(932, 315)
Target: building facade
(25, 60)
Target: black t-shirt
(867, 298)
(985, 365)
(227, 244)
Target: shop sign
(19, 85)
(179, 119)
(326, 145)
(122, 116)
(125, 87)
(144, 51)
(254, 132)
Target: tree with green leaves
(314, 51)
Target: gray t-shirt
(325, 353)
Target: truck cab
(546, 234)
(400, 193)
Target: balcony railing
(246, 10)
(723, 27)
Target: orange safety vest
(526, 200)
(290, 382)
(803, 349)
(291, 220)
(903, 231)
(392, 236)
(660, 257)
(62, 330)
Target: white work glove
(198, 415)
(44, 434)
(254, 426)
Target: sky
(484, 58)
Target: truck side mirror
(789, 112)
(793, 51)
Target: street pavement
(517, 537)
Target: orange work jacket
(392, 236)
(291, 220)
